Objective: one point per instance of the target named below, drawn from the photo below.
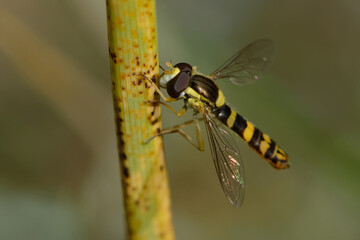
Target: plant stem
(133, 54)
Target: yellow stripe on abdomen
(257, 140)
(231, 119)
(248, 131)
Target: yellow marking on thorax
(196, 95)
(196, 104)
(231, 119)
(220, 100)
(192, 93)
(249, 131)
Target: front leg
(178, 129)
(179, 114)
(166, 99)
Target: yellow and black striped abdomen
(259, 141)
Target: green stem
(133, 54)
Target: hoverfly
(201, 93)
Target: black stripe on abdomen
(270, 151)
(222, 113)
(239, 125)
(256, 139)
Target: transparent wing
(248, 64)
(227, 160)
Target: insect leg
(177, 129)
(166, 99)
(179, 114)
(199, 135)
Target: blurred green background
(59, 175)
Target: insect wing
(248, 64)
(227, 160)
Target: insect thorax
(205, 87)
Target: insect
(201, 93)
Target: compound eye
(178, 84)
(184, 67)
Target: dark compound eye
(184, 67)
(178, 84)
